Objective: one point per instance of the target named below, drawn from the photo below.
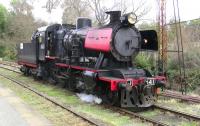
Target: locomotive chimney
(114, 16)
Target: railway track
(7, 68)
(153, 121)
(177, 95)
(121, 110)
(12, 64)
(65, 107)
(178, 113)
(137, 115)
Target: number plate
(150, 81)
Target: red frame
(74, 67)
(27, 64)
(112, 81)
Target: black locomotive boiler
(95, 60)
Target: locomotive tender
(95, 60)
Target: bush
(192, 70)
(144, 61)
(2, 50)
(173, 63)
(173, 79)
(192, 58)
(8, 52)
(193, 78)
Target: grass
(69, 98)
(191, 108)
(175, 104)
(55, 114)
(190, 124)
(168, 118)
(105, 114)
(150, 113)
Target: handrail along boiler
(95, 60)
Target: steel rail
(177, 95)
(12, 64)
(135, 115)
(68, 108)
(3, 67)
(183, 114)
(154, 122)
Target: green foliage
(143, 60)
(172, 63)
(193, 78)
(173, 78)
(194, 22)
(3, 18)
(10, 54)
(192, 58)
(192, 63)
(7, 52)
(16, 25)
(2, 50)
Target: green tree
(16, 25)
(21, 22)
(3, 18)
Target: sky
(189, 9)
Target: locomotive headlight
(132, 18)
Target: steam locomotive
(95, 60)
